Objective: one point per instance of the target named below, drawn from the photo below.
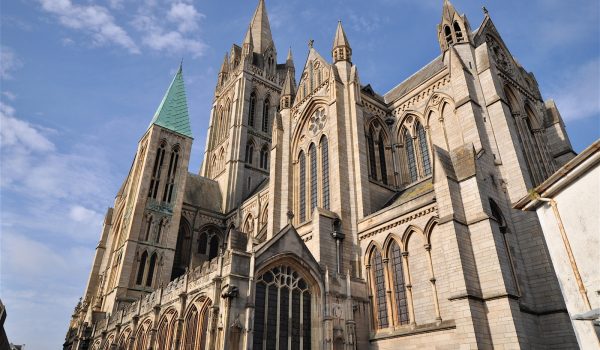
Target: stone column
(409, 296)
(432, 279)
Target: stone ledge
(407, 330)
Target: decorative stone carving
(317, 121)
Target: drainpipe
(565, 239)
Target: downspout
(567, 245)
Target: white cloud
(9, 95)
(576, 94)
(9, 62)
(185, 16)
(93, 19)
(159, 38)
(15, 132)
(85, 215)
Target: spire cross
(310, 43)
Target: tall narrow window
(202, 243)
(448, 34)
(325, 169)
(424, 149)
(379, 286)
(213, 248)
(372, 161)
(265, 116)
(399, 286)
(151, 268)
(282, 313)
(148, 227)
(302, 186)
(264, 157)
(249, 152)
(382, 165)
(410, 156)
(252, 109)
(156, 170)
(313, 176)
(161, 225)
(191, 329)
(141, 268)
(168, 193)
(458, 32)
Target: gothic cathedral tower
(245, 104)
(137, 247)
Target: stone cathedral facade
(329, 216)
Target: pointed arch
(410, 230)
(183, 249)
(312, 151)
(409, 149)
(458, 32)
(249, 151)
(391, 238)
(423, 149)
(141, 268)
(325, 171)
(166, 329)
(398, 283)
(157, 170)
(264, 156)
(302, 186)
(379, 290)
(151, 268)
(171, 173)
(448, 34)
(124, 339)
(429, 228)
(142, 336)
(252, 109)
(265, 116)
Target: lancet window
(265, 116)
(169, 185)
(398, 284)
(282, 316)
(252, 109)
(249, 152)
(325, 171)
(264, 157)
(423, 150)
(313, 176)
(302, 186)
(379, 290)
(410, 156)
(156, 171)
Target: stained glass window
(379, 284)
(325, 169)
(282, 306)
(410, 156)
(399, 287)
(313, 176)
(382, 165)
(424, 149)
(302, 186)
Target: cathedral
(329, 216)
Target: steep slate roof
(172, 113)
(415, 80)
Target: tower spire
(341, 47)
(261, 30)
(289, 90)
(289, 60)
(453, 28)
(172, 113)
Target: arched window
(410, 155)
(448, 35)
(249, 152)
(161, 225)
(424, 149)
(264, 157)
(458, 32)
(252, 109)
(497, 215)
(183, 248)
(313, 176)
(265, 116)
(399, 286)
(166, 330)
(213, 248)
(302, 186)
(202, 243)
(325, 170)
(381, 316)
(156, 171)
(141, 268)
(371, 149)
(151, 268)
(148, 227)
(382, 165)
(282, 303)
(191, 329)
(173, 162)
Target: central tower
(245, 103)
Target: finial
(181, 65)
(485, 10)
(290, 216)
(310, 43)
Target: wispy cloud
(9, 62)
(185, 16)
(93, 19)
(576, 93)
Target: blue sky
(81, 79)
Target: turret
(223, 72)
(289, 90)
(453, 29)
(341, 47)
(248, 44)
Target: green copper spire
(172, 113)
